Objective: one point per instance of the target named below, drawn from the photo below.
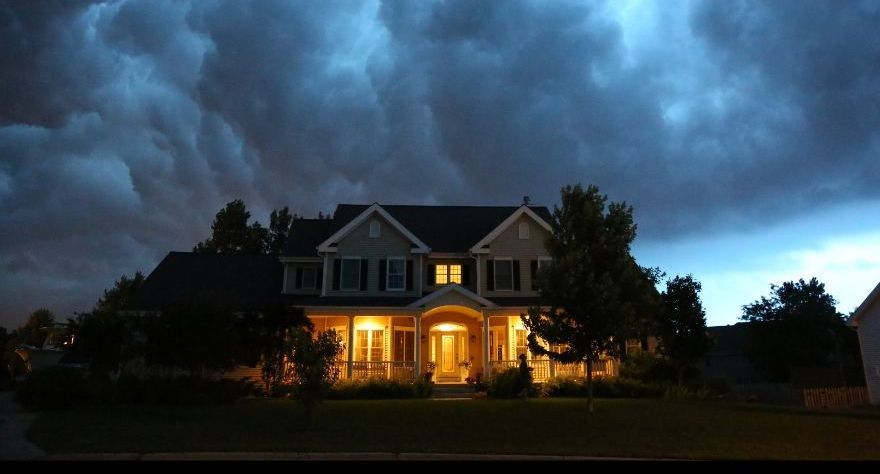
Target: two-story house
(409, 288)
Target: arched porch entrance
(451, 343)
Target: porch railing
(384, 369)
(543, 369)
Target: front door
(448, 364)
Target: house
(726, 358)
(866, 319)
(408, 288)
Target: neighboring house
(726, 358)
(867, 320)
(409, 288)
(52, 352)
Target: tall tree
(593, 286)
(122, 293)
(231, 233)
(681, 326)
(798, 325)
(279, 229)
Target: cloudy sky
(746, 134)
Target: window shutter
(432, 275)
(299, 278)
(337, 273)
(409, 275)
(490, 275)
(320, 276)
(465, 275)
(516, 275)
(534, 273)
(383, 268)
(365, 265)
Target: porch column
(486, 348)
(348, 369)
(418, 343)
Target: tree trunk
(590, 384)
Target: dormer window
(523, 230)
(444, 274)
(375, 230)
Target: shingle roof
(247, 281)
(443, 228)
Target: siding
(390, 244)
(869, 338)
(508, 244)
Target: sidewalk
(13, 425)
(285, 456)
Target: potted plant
(429, 372)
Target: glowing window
(522, 343)
(370, 344)
(444, 274)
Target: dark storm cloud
(124, 125)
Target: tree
(593, 286)
(311, 365)
(681, 326)
(798, 325)
(231, 233)
(279, 229)
(122, 293)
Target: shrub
(510, 383)
(378, 388)
(564, 387)
(53, 387)
(621, 387)
(191, 390)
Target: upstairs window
(396, 274)
(444, 274)
(523, 230)
(309, 278)
(351, 274)
(503, 274)
(375, 229)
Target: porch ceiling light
(449, 327)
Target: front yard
(629, 428)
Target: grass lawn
(632, 428)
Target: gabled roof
(453, 229)
(449, 289)
(245, 281)
(352, 224)
(523, 210)
(863, 308)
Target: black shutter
(465, 275)
(534, 273)
(432, 275)
(337, 273)
(299, 278)
(516, 275)
(320, 276)
(365, 265)
(409, 275)
(383, 267)
(490, 275)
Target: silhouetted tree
(798, 325)
(279, 229)
(312, 365)
(681, 326)
(593, 286)
(231, 233)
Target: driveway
(13, 424)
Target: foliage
(31, 333)
(681, 325)
(108, 339)
(798, 325)
(603, 387)
(53, 387)
(379, 388)
(263, 337)
(648, 368)
(279, 229)
(121, 295)
(187, 390)
(231, 233)
(511, 383)
(196, 335)
(311, 365)
(595, 290)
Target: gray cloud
(124, 125)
